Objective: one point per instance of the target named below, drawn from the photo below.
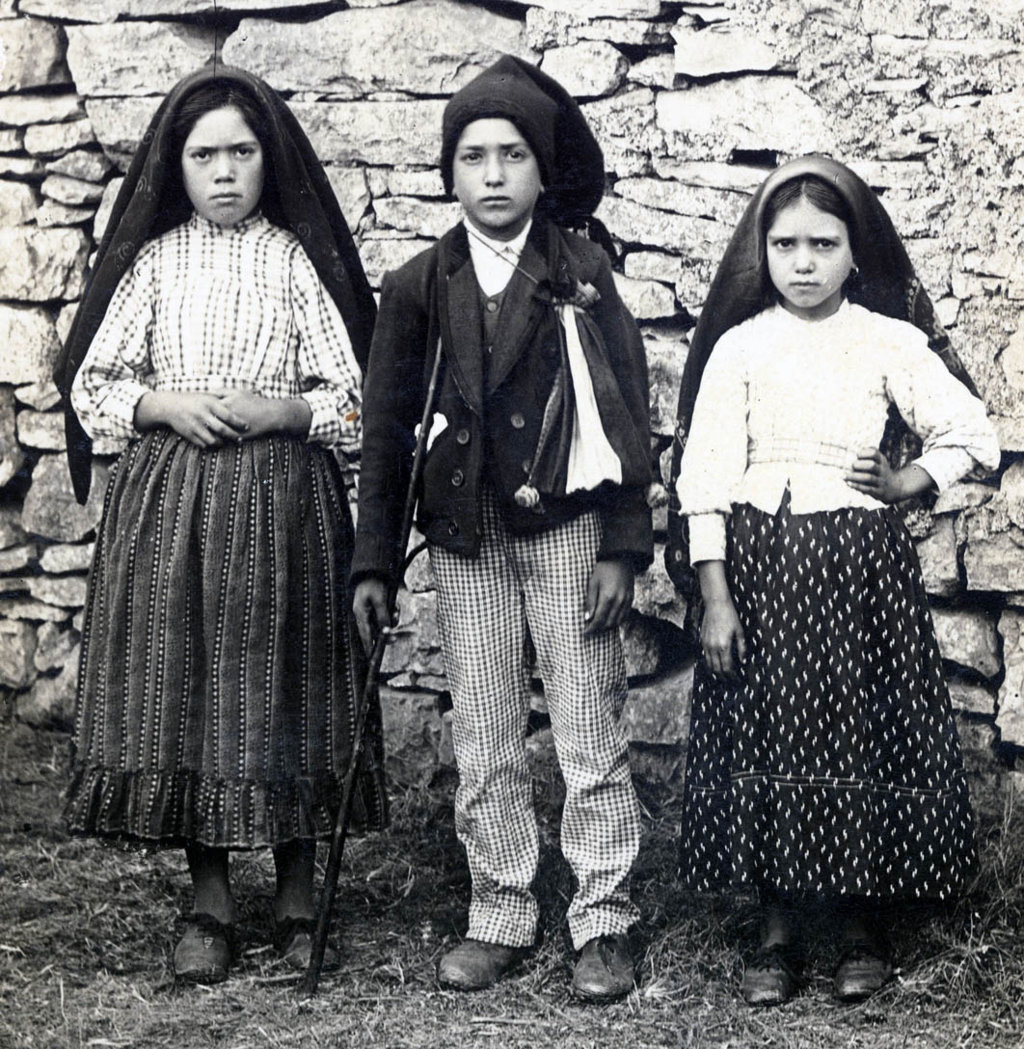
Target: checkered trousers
(484, 606)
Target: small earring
(854, 271)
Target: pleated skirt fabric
(834, 765)
(220, 667)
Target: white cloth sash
(591, 457)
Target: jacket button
(458, 478)
(492, 305)
(453, 527)
(462, 437)
(526, 466)
(517, 420)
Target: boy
(532, 502)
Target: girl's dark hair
(825, 197)
(219, 94)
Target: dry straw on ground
(86, 934)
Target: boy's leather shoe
(203, 954)
(864, 968)
(474, 965)
(604, 970)
(771, 977)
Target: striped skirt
(834, 766)
(220, 665)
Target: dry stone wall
(692, 103)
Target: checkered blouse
(207, 308)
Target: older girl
(823, 757)
(221, 335)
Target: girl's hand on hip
(201, 418)
(872, 475)
(722, 639)
(609, 596)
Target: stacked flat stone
(691, 102)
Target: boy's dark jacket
(494, 409)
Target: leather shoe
(604, 969)
(293, 938)
(203, 954)
(474, 964)
(864, 967)
(771, 976)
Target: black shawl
(150, 202)
(886, 283)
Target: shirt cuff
(707, 537)
(330, 423)
(946, 466)
(110, 411)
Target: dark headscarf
(886, 284)
(570, 160)
(152, 201)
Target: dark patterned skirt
(834, 767)
(220, 665)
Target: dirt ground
(86, 934)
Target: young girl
(221, 335)
(823, 758)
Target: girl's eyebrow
(229, 145)
(517, 143)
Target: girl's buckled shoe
(771, 976)
(864, 967)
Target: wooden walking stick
(369, 693)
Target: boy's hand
(370, 607)
(609, 596)
(872, 475)
(201, 418)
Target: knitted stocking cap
(570, 160)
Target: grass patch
(86, 934)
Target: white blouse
(207, 308)
(789, 402)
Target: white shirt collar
(493, 260)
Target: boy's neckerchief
(584, 296)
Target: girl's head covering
(886, 283)
(152, 200)
(570, 160)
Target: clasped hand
(209, 420)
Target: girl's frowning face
(222, 167)
(809, 258)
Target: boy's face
(496, 177)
